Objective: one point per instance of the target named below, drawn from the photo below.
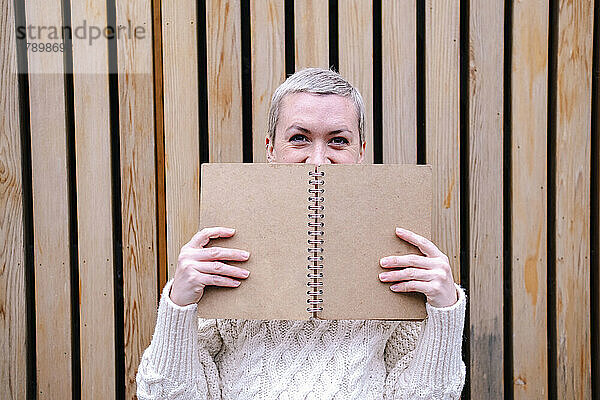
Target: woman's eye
(297, 138)
(339, 140)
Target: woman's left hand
(429, 274)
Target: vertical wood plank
(182, 162)
(311, 30)
(356, 57)
(442, 125)
(138, 187)
(13, 333)
(399, 33)
(573, 97)
(223, 48)
(528, 187)
(50, 207)
(94, 211)
(268, 65)
(486, 37)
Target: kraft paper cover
(267, 204)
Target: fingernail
(383, 276)
(245, 273)
(395, 288)
(384, 262)
(237, 283)
(246, 254)
(232, 230)
(399, 230)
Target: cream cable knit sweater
(194, 358)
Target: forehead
(309, 107)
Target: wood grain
(182, 162)
(268, 66)
(13, 334)
(94, 205)
(486, 47)
(311, 30)
(399, 76)
(223, 48)
(138, 187)
(139, 89)
(356, 57)
(442, 123)
(573, 108)
(50, 208)
(529, 186)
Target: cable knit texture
(195, 358)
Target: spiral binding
(315, 267)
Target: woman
(315, 117)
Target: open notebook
(315, 236)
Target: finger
(412, 286)
(407, 274)
(215, 253)
(409, 260)
(201, 238)
(424, 244)
(216, 280)
(218, 253)
(219, 268)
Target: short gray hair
(316, 81)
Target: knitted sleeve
(434, 368)
(179, 364)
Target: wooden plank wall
(138, 183)
(399, 81)
(99, 169)
(180, 85)
(268, 66)
(311, 28)
(224, 71)
(529, 185)
(355, 37)
(484, 160)
(572, 238)
(51, 227)
(94, 213)
(442, 123)
(13, 327)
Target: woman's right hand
(198, 267)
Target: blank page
(363, 206)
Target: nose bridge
(319, 153)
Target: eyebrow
(298, 127)
(304, 130)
